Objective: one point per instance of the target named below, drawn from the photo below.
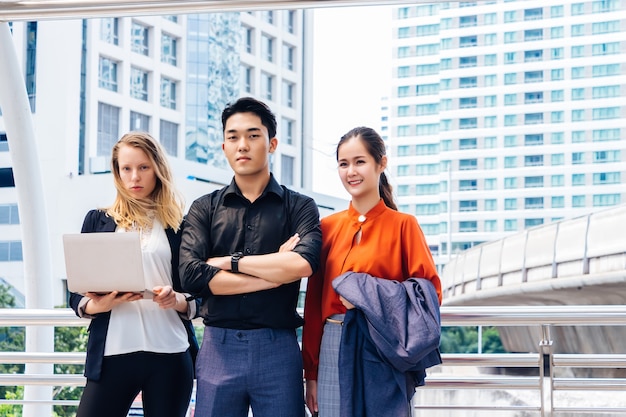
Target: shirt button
(249, 227)
(248, 251)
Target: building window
(533, 14)
(510, 161)
(578, 201)
(268, 16)
(578, 179)
(510, 183)
(533, 139)
(31, 63)
(168, 49)
(468, 205)
(557, 159)
(467, 102)
(491, 204)
(467, 164)
(286, 170)
(468, 226)
(491, 225)
(108, 128)
(533, 160)
(469, 143)
(9, 214)
(533, 35)
(578, 158)
(246, 76)
(602, 200)
(558, 202)
(558, 180)
(267, 48)
(288, 57)
(557, 138)
(287, 131)
(168, 134)
(533, 182)
(4, 143)
(288, 94)
(109, 30)
(267, 86)
(532, 56)
(139, 84)
(510, 225)
(6, 178)
(510, 203)
(107, 74)
(467, 185)
(139, 122)
(290, 21)
(601, 178)
(468, 41)
(10, 251)
(531, 203)
(168, 93)
(139, 39)
(248, 37)
(467, 61)
(532, 223)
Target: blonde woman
(136, 344)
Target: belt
(333, 321)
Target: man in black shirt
(244, 250)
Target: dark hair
(251, 105)
(376, 148)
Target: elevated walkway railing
(547, 374)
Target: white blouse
(141, 325)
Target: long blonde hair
(165, 201)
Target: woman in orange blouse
(371, 236)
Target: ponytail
(386, 192)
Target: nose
(135, 174)
(351, 170)
(242, 144)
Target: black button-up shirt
(224, 222)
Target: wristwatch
(234, 261)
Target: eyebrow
(252, 129)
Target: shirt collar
(376, 211)
(272, 187)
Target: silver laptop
(104, 262)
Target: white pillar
(33, 218)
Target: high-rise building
(506, 115)
(89, 81)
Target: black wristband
(234, 261)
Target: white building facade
(505, 115)
(90, 81)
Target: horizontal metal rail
(444, 377)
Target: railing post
(546, 350)
(31, 206)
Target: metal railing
(547, 367)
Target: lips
(355, 182)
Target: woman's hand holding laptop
(101, 303)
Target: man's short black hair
(251, 105)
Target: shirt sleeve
(195, 249)
(305, 217)
(420, 261)
(313, 325)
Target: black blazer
(99, 221)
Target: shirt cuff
(81, 309)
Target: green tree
(11, 340)
(455, 339)
(68, 339)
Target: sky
(351, 73)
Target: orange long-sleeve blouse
(392, 246)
